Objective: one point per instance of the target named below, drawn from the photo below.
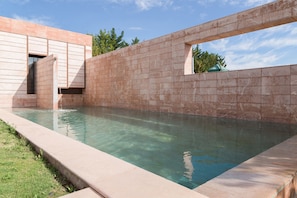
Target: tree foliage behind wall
(203, 60)
(107, 41)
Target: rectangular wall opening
(269, 47)
(31, 81)
(70, 91)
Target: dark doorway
(32, 59)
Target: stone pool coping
(272, 173)
(269, 174)
(90, 168)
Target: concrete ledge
(88, 167)
(87, 192)
(290, 189)
(269, 174)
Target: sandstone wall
(47, 83)
(157, 74)
(20, 39)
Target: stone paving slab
(87, 193)
(105, 174)
(265, 175)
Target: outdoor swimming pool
(188, 150)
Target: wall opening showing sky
(264, 48)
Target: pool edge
(272, 173)
(88, 167)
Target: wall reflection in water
(189, 168)
(188, 150)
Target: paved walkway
(102, 175)
(272, 173)
(86, 192)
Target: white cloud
(248, 3)
(294, 31)
(205, 2)
(146, 4)
(257, 2)
(236, 61)
(267, 47)
(279, 42)
(42, 20)
(135, 28)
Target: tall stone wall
(47, 83)
(157, 74)
(268, 94)
(70, 100)
(13, 71)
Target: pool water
(188, 150)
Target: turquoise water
(188, 150)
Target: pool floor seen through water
(188, 150)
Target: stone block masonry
(47, 83)
(20, 40)
(156, 75)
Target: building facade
(26, 83)
(154, 75)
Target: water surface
(188, 150)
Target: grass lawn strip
(24, 173)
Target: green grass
(24, 173)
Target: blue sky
(147, 19)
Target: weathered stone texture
(157, 75)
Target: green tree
(107, 41)
(135, 41)
(204, 60)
